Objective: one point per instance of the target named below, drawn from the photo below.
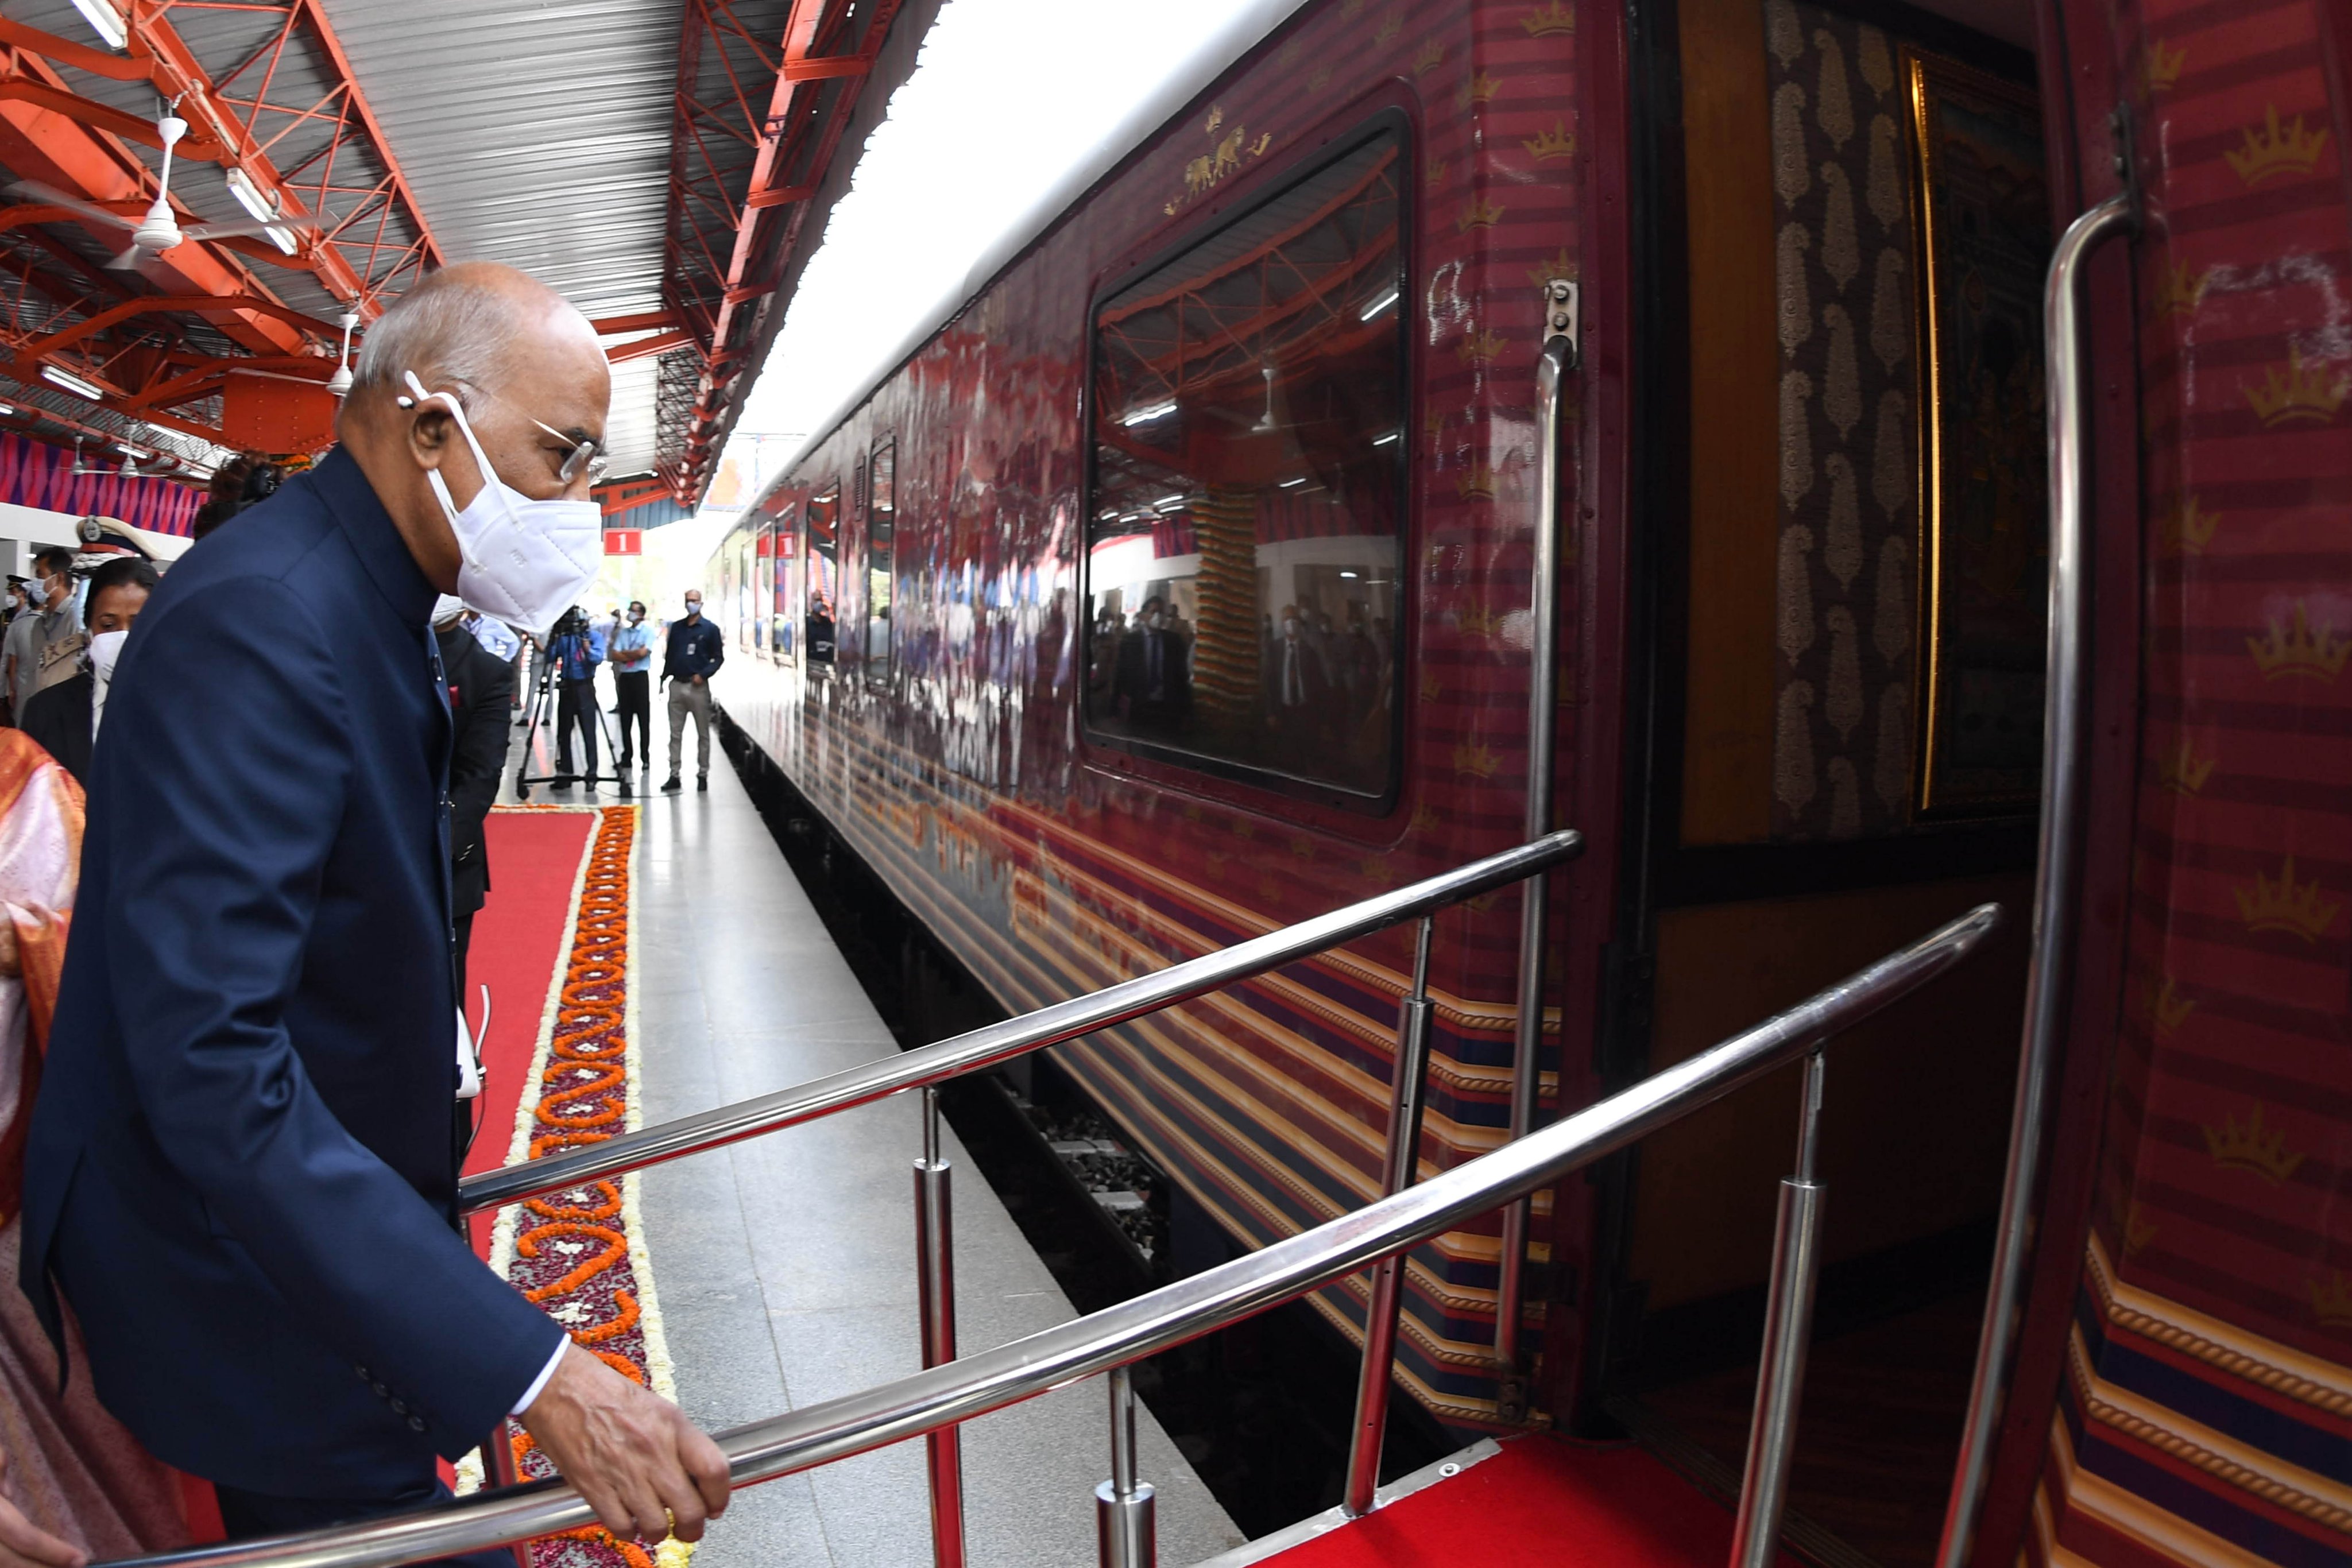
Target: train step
(1522, 1502)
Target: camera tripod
(543, 704)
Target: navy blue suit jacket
(240, 1173)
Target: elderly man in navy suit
(240, 1174)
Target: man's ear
(431, 434)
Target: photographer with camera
(573, 651)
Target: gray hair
(446, 329)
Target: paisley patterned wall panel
(1848, 571)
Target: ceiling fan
(158, 230)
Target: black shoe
(702, 783)
(670, 785)
(560, 786)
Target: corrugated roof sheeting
(219, 39)
(539, 137)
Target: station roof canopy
(656, 161)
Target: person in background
(481, 684)
(575, 650)
(696, 651)
(76, 1482)
(16, 601)
(65, 717)
(631, 655)
(496, 636)
(26, 653)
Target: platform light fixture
(72, 383)
(105, 21)
(1385, 302)
(1292, 483)
(248, 196)
(1387, 440)
(1148, 413)
(6, 409)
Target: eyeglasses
(585, 457)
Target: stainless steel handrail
(1553, 366)
(2056, 872)
(999, 1043)
(1173, 1315)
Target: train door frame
(1637, 406)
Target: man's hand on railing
(633, 1454)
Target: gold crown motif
(1562, 265)
(1431, 689)
(2270, 151)
(2252, 1147)
(2179, 294)
(2331, 1301)
(2296, 908)
(2314, 657)
(2186, 527)
(1375, 869)
(1435, 175)
(1217, 859)
(1425, 818)
(1351, 9)
(1434, 421)
(1303, 848)
(1319, 79)
(1478, 89)
(1243, 828)
(1553, 143)
(1555, 18)
(1477, 484)
(1478, 212)
(1476, 761)
(2138, 1230)
(1477, 618)
(2168, 1010)
(2159, 66)
(1390, 26)
(2297, 392)
(1428, 57)
(2184, 772)
(1479, 348)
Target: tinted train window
(823, 573)
(1244, 554)
(881, 532)
(763, 580)
(785, 532)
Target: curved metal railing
(981, 1048)
(944, 1395)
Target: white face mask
(524, 560)
(104, 649)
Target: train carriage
(1178, 582)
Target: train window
(783, 639)
(1244, 557)
(881, 532)
(745, 551)
(763, 580)
(823, 571)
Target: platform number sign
(624, 541)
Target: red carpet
(522, 938)
(1540, 1504)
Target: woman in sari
(73, 1483)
